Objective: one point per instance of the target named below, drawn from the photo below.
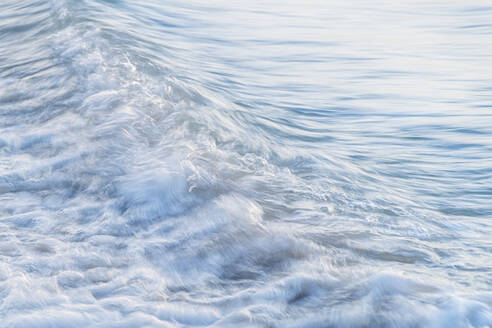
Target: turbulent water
(245, 164)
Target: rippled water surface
(245, 164)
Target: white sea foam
(161, 166)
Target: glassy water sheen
(245, 164)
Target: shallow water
(253, 164)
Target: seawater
(245, 164)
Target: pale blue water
(245, 164)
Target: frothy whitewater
(245, 164)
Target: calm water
(247, 164)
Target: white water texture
(245, 164)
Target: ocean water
(245, 163)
